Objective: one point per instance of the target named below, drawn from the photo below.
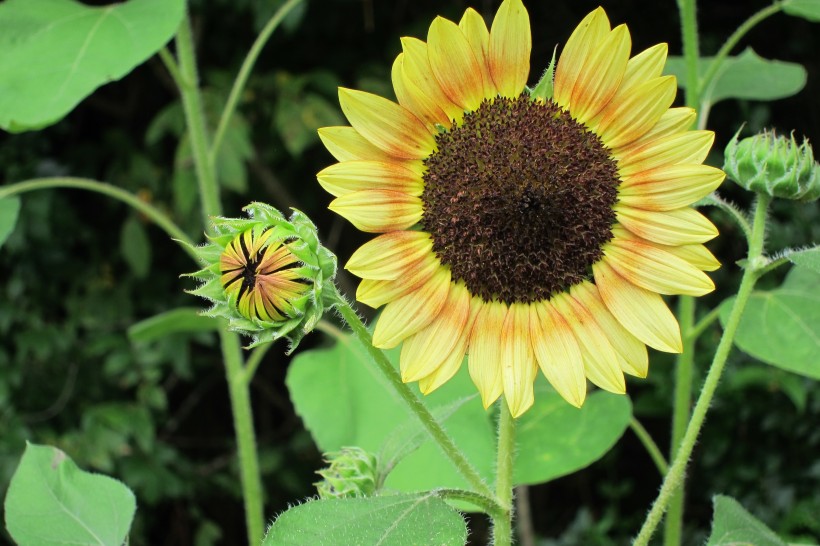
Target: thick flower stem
(428, 421)
(691, 49)
(678, 467)
(502, 524)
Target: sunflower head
(774, 165)
(526, 229)
(267, 275)
(351, 473)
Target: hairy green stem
(691, 49)
(171, 66)
(677, 469)
(487, 505)
(254, 360)
(649, 444)
(736, 214)
(428, 421)
(502, 525)
(244, 73)
(143, 207)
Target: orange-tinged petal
(484, 362)
(387, 256)
(412, 98)
(454, 65)
(518, 368)
(423, 352)
(352, 176)
(672, 122)
(654, 269)
(640, 311)
(346, 144)
(387, 125)
(624, 121)
(416, 69)
(376, 293)
(587, 36)
(674, 227)
(409, 314)
(669, 188)
(475, 30)
(600, 359)
(510, 45)
(601, 75)
(378, 211)
(557, 352)
(646, 65)
(690, 147)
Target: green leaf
(782, 327)
(734, 526)
(135, 247)
(392, 520)
(555, 439)
(545, 87)
(807, 9)
(9, 210)
(51, 502)
(345, 401)
(182, 319)
(54, 53)
(297, 118)
(746, 76)
(809, 258)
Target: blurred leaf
(770, 379)
(734, 526)
(9, 210)
(135, 247)
(807, 258)
(746, 76)
(51, 502)
(298, 118)
(182, 319)
(391, 520)
(782, 327)
(236, 148)
(555, 439)
(54, 53)
(807, 9)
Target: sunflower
(525, 231)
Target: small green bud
(352, 473)
(268, 276)
(774, 165)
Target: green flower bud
(352, 473)
(774, 165)
(268, 276)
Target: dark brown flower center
(518, 199)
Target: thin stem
(172, 68)
(733, 40)
(147, 209)
(502, 526)
(703, 324)
(488, 505)
(523, 516)
(242, 76)
(774, 264)
(736, 215)
(691, 49)
(330, 329)
(440, 436)
(245, 436)
(649, 444)
(676, 471)
(254, 360)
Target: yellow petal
(412, 98)
(587, 36)
(674, 121)
(423, 352)
(601, 75)
(669, 188)
(518, 369)
(484, 362)
(674, 227)
(352, 176)
(623, 121)
(600, 359)
(641, 311)
(454, 65)
(654, 269)
(697, 255)
(378, 211)
(646, 65)
(690, 147)
(409, 314)
(510, 45)
(376, 293)
(387, 256)
(388, 126)
(475, 30)
(416, 69)
(346, 144)
(557, 353)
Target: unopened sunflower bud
(774, 165)
(267, 275)
(352, 473)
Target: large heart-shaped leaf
(54, 53)
(807, 9)
(809, 257)
(732, 525)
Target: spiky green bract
(316, 269)
(352, 473)
(774, 165)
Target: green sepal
(544, 89)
